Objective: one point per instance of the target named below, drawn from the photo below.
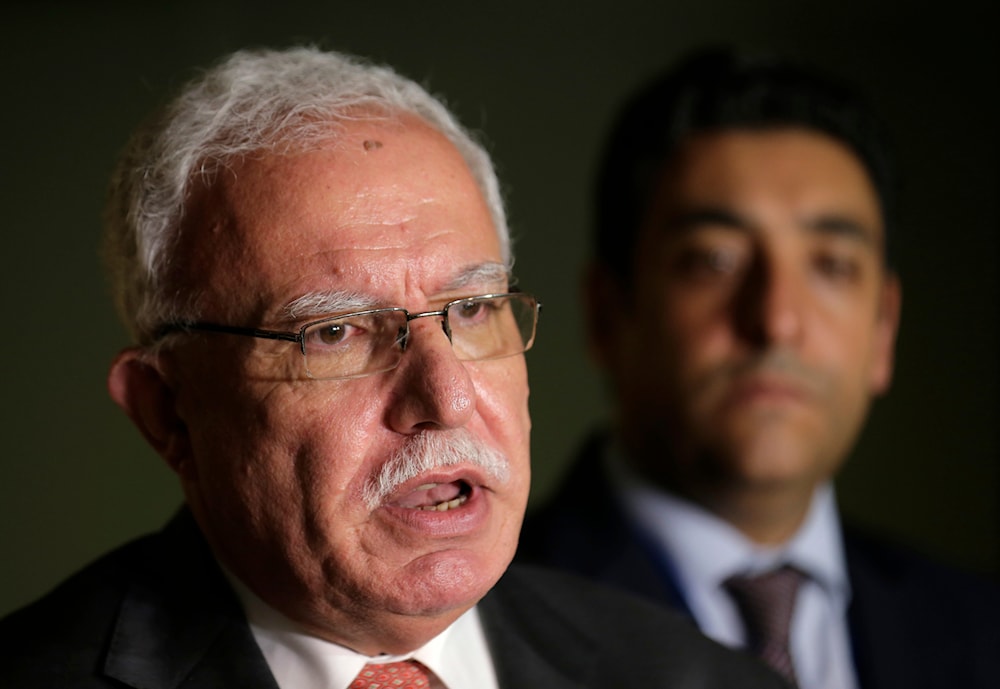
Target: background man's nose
(768, 304)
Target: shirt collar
(705, 548)
(459, 655)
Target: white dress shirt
(458, 656)
(704, 551)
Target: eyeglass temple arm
(232, 329)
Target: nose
(769, 303)
(432, 389)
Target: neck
(768, 516)
(368, 632)
(768, 511)
(384, 634)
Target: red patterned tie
(766, 603)
(408, 674)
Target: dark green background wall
(542, 80)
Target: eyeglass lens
(480, 328)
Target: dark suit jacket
(158, 614)
(913, 624)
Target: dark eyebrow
(842, 226)
(831, 224)
(688, 220)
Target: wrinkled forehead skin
(221, 245)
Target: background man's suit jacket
(158, 614)
(913, 624)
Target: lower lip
(463, 520)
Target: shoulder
(909, 610)
(559, 594)
(877, 563)
(87, 590)
(564, 615)
(70, 626)
(157, 587)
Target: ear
(602, 301)
(139, 387)
(886, 329)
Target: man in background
(743, 305)
(312, 257)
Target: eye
(697, 262)
(469, 312)
(837, 266)
(331, 335)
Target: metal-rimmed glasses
(352, 345)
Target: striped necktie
(766, 602)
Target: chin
(444, 581)
(770, 471)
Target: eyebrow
(691, 219)
(343, 301)
(843, 226)
(323, 303)
(829, 224)
(481, 273)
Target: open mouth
(436, 497)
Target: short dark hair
(719, 89)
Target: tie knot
(406, 674)
(770, 595)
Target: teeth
(445, 506)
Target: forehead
(801, 169)
(385, 207)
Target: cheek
(844, 342)
(502, 403)
(327, 429)
(695, 334)
(288, 443)
(843, 355)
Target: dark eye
(707, 262)
(837, 266)
(331, 333)
(469, 311)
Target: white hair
(424, 452)
(253, 101)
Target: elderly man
(313, 259)
(744, 308)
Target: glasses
(491, 326)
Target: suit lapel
(876, 618)
(531, 644)
(181, 623)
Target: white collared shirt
(704, 551)
(458, 656)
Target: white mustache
(432, 450)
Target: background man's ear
(887, 327)
(138, 386)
